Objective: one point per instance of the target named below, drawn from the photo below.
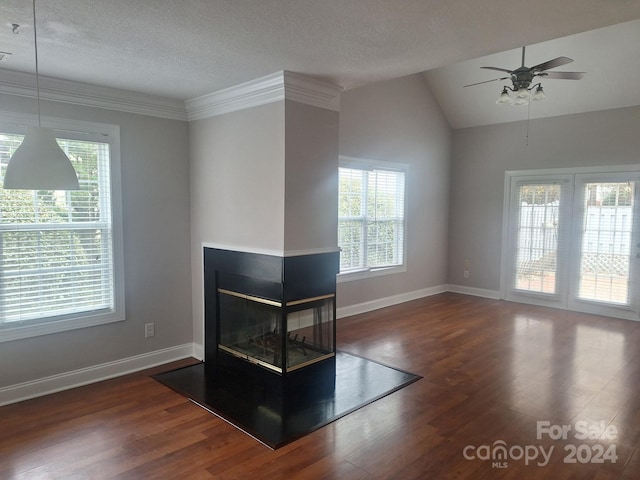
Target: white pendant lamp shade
(40, 164)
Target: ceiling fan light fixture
(504, 97)
(538, 94)
(521, 101)
(523, 77)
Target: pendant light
(39, 163)
(538, 94)
(504, 97)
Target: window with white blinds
(57, 262)
(371, 215)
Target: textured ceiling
(183, 49)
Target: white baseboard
(388, 301)
(408, 296)
(476, 292)
(96, 373)
(198, 351)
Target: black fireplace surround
(271, 318)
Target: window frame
(84, 131)
(369, 164)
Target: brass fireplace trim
(310, 362)
(250, 297)
(268, 365)
(311, 299)
(273, 303)
(249, 358)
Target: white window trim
(79, 130)
(369, 164)
(371, 273)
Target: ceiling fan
(523, 77)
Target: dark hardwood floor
(491, 370)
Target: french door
(572, 241)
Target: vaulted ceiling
(183, 49)
(610, 56)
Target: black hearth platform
(275, 419)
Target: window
(371, 212)
(60, 251)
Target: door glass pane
(537, 237)
(606, 242)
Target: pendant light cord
(35, 42)
(528, 120)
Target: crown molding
(311, 91)
(268, 89)
(65, 91)
(257, 92)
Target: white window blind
(56, 247)
(371, 218)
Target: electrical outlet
(149, 330)
(466, 274)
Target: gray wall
(237, 178)
(481, 156)
(400, 121)
(237, 188)
(155, 190)
(311, 178)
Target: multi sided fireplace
(281, 337)
(271, 317)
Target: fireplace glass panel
(251, 328)
(310, 328)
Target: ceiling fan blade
(498, 69)
(487, 81)
(556, 62)
(563, 75)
